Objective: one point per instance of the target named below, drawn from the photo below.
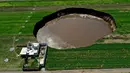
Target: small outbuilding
(34, 56)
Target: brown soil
(120, 70)
(75, 31)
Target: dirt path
(117, 38)
(116, 41)
(120, 70)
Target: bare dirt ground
(117, 38)
(120, 70)
(116, 41)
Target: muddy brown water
(73, 31)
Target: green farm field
(94, 57)
(17, 20)
(59, 2)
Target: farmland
(96, 56)
(19, 24)
(60, 2)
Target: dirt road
(123, 70)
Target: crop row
(95, 56)
(47, 3)
(11, 21)
(60, 2)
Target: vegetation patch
(95, 56)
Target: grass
(60, 2)
(95, 56)
(5, 53)
(122, 21)
(18, 18)
(15, 62)
(11, 23)
(32, 63)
